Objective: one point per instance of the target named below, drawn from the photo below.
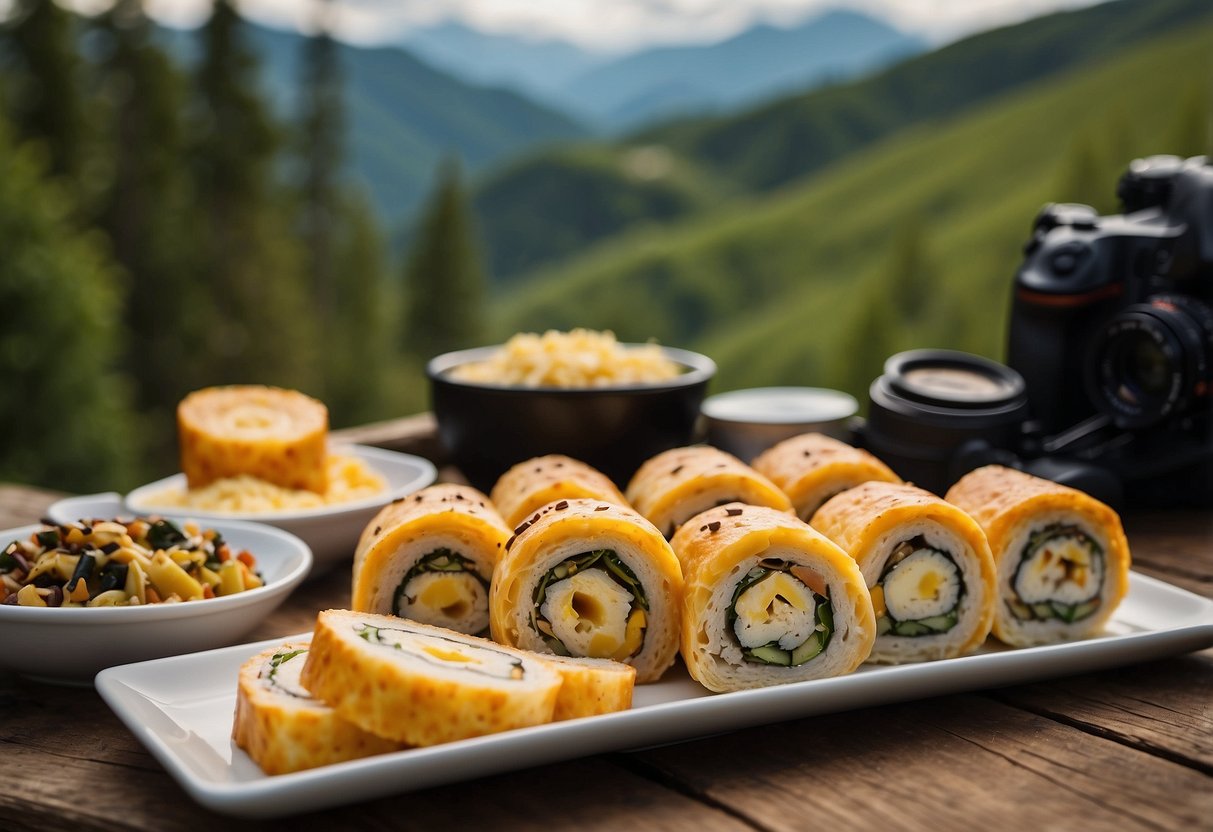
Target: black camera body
(1112, 330)
(1109, 386)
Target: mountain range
(615, 93)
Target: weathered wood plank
(24, 504)
(416, 434)
(960, 762)
(1164, 708)
(45, 791)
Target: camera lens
(1151, 359)
(931, 405)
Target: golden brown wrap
(812, 468)
(591, 686)
(531, 485)
(768, 600)
(424, 685)
(283, 728)
(1062, 556)
(676, 485)
(429, 557)
(589, 578)
(926, 563)
(279, 436)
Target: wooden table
(1124, 749)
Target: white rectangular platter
(181, 709)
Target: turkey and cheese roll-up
(280, 436)
(1062, 556)
(926, 563)
(591, 686)
(674, 486)
(531, 485)
(283, 727)
(812, 468)
(429, 557)
(590, 579)
(768, 600)
(424, 685)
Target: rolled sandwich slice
(926, 563)
(424, 685)
(590, 579)
(1062, 556)
(531, 485)
(674, 486)
(283, 728)
(279, 436)
(812, 468)
(768, 600)
(429, 558)
(591, 686)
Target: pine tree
(444, 280)
(44, 99)
(321, 135)
(64, 415)
(146, 211)
(908, 278)
(1191, 128)
(257, 319)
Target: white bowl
(331, 531)
(71, 644)
(747, 422)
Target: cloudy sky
(610, 25)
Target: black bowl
(487, 428)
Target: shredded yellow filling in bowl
(349, 479)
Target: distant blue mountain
(538, 67)
(404, 115)
(761, 62)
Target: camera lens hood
(930, 406)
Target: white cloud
(611, 25)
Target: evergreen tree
(257, 321)
(145, 210)
(444, 280)
(909, 287)
(321, 133)
(1190, 132)
(45, 102)
(64, 417)
(1086, 177)
(359, 357)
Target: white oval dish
(69, 645)
(331, 531)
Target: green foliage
(798, 288)
(444, 280)
(45, 100)
(255, 305)
(146, 211)
(553, 204)
(64, 414)
(1191, 128)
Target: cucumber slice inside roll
(1059, 575)
(776, 618)
(922, 587)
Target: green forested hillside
(795, 136)
(909, 242)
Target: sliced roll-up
(926, 563)
(424, 685)
(674, 486)
(1062, 556)
(591, 686)
(279, 436)
(531, 485)
(768, 600)
(592, 579)
(429, 557)
(812, 468)
(283, 728)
